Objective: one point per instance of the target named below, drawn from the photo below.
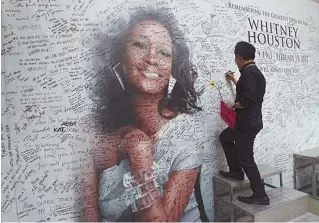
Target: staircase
(306, 165)
(286, 204)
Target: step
(264, 169)
(309, 191)
(306, 170)
(244, 219)
(285, 204)
(309, 154)
(238, 219)
(308, 217)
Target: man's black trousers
(238, 147)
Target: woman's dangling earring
(171, 84)
(119, 72)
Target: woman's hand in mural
(138, 147)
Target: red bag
(228, 115)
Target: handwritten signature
(45, 14)
(39, 1)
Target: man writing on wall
(238, 143)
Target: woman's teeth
(151, 75)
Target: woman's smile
(150, 74)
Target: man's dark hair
(245, 50)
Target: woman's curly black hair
(117, 103)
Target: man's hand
(230, 76)
(229, 105)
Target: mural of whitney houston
(150, 157)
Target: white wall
(47, 79)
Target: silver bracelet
(141, 177)
(147, 200)
(134, 193)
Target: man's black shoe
(233, 175)
(264, 200)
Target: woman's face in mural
(148, 57)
